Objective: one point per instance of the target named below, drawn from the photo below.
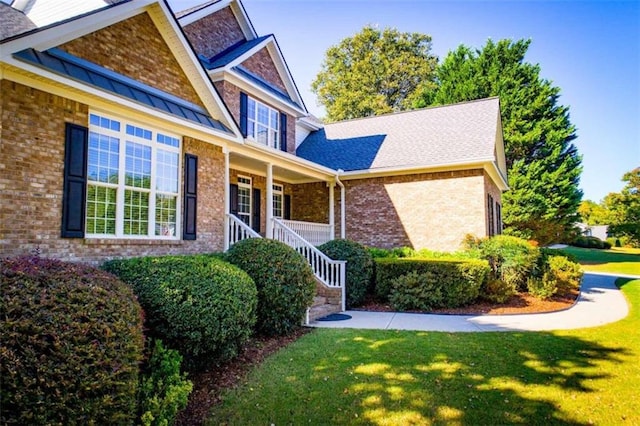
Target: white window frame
(245, 183)
(121, 186)
(272, 126)
(278, 192)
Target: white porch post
(332, 216)
(269, 201)
(227, 195)
(343, 206)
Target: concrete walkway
(600, 302)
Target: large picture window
(133, 180)
(263, 123)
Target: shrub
(459, 280)
(497, 290)
(394, 252)
(566, 274)
(164, 390)
(285, 282)
(71, 344)
(512, 260)
(200, 305)
(359, 268)
(542, 288)
(416, 292)
(591, 242)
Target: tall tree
(375, 72)
(543, 164)
(624, 208)
(593, 213)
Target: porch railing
(331, 273)
(238, 230)
(314, 233)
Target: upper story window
(133, 187)
(263, 123)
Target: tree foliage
(375, 72)
(624, 209)
(593, 213)
(543, 164)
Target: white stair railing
(238, 230)
(315, 233)
(331, 273)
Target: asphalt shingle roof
(231, 54)
(459, 133)
(13, 22)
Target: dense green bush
(71, 343)
(542, 288)
(285, 282)
(359, 267)
(459, 280)
(591, 242)
(200, 305)
(497, 290)
(164, 389)
(512, 260)
(415, 291)
(566, 274)
(397, 252)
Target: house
(128, 130)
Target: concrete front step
(319, 311)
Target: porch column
(269, 201)
(332, 216)
(227, 203)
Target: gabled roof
(231, 54)
(272, 89)
(65, 64)
(431, 137)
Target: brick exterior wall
(429, 210)
(135, 48)
(214, 33)
(262, 65)
(31, 183)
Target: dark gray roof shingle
(13, 22)
(459, 133)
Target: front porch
(267, 198)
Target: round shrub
(285, 282)
(416, 291)
(199, 305)
(591, 242)
(497, 290)
(512, 260)
(566, 274)
(359, 267)
(71, 344)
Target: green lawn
(332, 376)
(616, 260)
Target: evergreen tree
(543, 164)
(375, 72)
(624, 208)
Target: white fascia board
(60, 33)
(55, 84)
(284, 159)
(243, 20)
(308, 124)
(405, 170)
(203, 12)
(253, 89)
(191, 66)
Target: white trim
(269, 201)
(238, 11)
(248, 186)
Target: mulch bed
(209, 384)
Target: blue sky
(590, 49)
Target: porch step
(319, 311)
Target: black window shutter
(287, 207)
(74, 196)
(283, 132)
(190, 196)
(233, 199)
(243, 114)
(255, 220)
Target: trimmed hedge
(285, 282)
(591, 242)
(71, 344)
(459, 280)
(359, 274)
(199, 305)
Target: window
(490, 217)
(133, 180)
(263, 124)
(244, 199)
(278, 197)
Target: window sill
(132, 242)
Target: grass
(340, 376)
(617, 260)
